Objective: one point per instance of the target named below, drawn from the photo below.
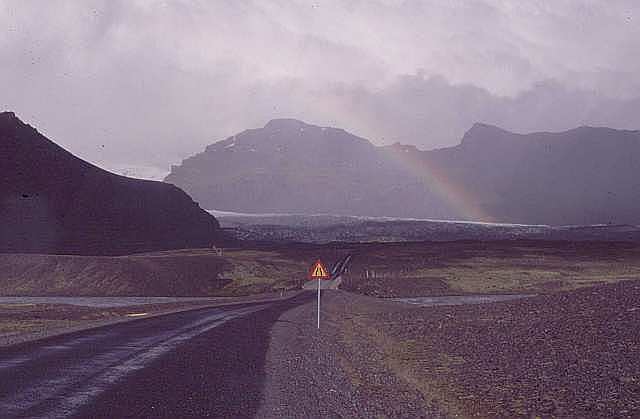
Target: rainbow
(459, 198)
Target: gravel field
(574, 354)
(327, 374)
(571, 355)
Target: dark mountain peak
(483, 133)
(287, 124)
(7, 116)
(9, 120)
(480, 130)
(281, 135)
(289, 166)
(54, 202)
(582, 176)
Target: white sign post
(319, 272)
(319, 303)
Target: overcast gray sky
(143, 84)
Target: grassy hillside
(464, 267)
(192, 272)
(171, 273)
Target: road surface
(200, 363)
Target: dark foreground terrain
(27, 321)
(568, 354)
(571, 355)
(570, 351)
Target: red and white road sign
(319, 271)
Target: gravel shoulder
(328, 373)
(571, 355)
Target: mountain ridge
(54, 202)
(289, 165)
(494, 175)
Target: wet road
(68, 375)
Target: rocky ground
(573, 355)
(322, 374)
(565, 354)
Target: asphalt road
(201, 363)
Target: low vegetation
(254, 271)
(377, 269)
(420, 269)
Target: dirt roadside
(571, 355)
(320, 374)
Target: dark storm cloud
(146, 83)
(431, 112)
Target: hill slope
(54, 202)
(290, 166)
(582, 176)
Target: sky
(136, 86)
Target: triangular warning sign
(318, 271)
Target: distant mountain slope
(290, 166)
(54, 202)
(582, 176)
